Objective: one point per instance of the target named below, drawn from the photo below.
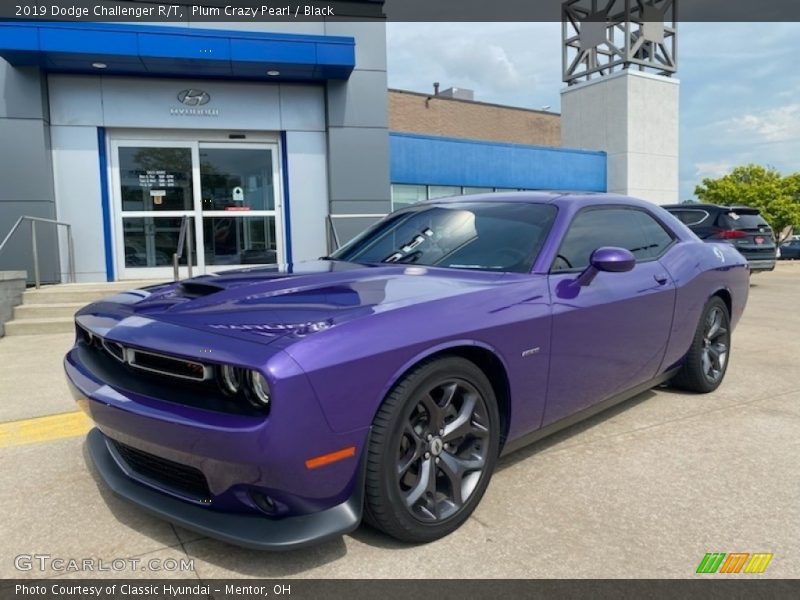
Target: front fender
(352, 367)
(439, 348)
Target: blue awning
(121, 49)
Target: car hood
(269, 303)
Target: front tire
(707, 359)
(432, 451)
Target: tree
(775, 196)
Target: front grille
(180, 478)
(167, 365)
(159, 376)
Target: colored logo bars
(735, 562)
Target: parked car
(272, 407)
(790, 250)
(741, 226)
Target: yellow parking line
(43, 429)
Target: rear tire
(707, 360)
(432, 451)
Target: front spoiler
(247, 530)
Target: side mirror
(613, 260)
(608, 259)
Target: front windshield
(493, 236)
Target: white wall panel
(302, 107)
(76, 175)
(633, 117)
(75, 100)
(151, 103)
(308, 189)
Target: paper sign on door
(158, 196)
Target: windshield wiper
(408, 258)
(405, 249)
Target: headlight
(259, 388)
(230, 379)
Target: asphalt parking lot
(644, 490)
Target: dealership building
(260, 142)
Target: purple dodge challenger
(274, 407)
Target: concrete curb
(12, 285)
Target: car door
(612, 334)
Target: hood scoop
(197, 289)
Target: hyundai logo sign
(192, 97)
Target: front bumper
(248, 530)
(241, 461)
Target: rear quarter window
(657, 237)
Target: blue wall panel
(421, 159)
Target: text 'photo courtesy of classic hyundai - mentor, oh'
(276, 407)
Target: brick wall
(412, 112)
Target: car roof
(558, 198)
(697, 205)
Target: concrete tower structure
(619, 62)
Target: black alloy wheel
(707, 360)
(432, 451)
(716, 340)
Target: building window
(443, 191)
(406, 195)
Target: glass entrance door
(237, 184)
(227, 193)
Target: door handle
(661, 278)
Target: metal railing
(332, 235)
(35, 246)
(185, 239)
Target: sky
(739, 82)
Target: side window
(681, 215)
(633, 230)
(691, 216)
(657, 237)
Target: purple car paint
(332, 338)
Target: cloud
(507, 63)
(738, 95)
(712, 169)
(487, 65)
(779, 124)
